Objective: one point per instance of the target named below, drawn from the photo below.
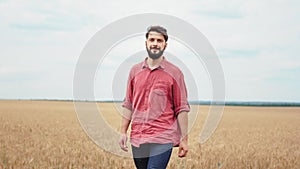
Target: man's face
(155, 45)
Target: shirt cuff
(182, 108)
(127, 105)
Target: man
(156, 106)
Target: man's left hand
(183, 149)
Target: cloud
(257, 42)
(262, 24)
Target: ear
(166, 45)
(145, 43)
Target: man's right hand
(123, 142)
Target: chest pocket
(161, 88)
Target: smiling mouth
(155, 50)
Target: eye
(160, 41)
(151, 39)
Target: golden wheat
(47, 134)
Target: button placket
(146, 91)
(145, 106)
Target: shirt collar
(162, 64)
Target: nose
(155, 43)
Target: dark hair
(158, 29)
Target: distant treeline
(227, 103)
(248, 103)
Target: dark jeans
(152, 155)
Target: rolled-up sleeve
(180, 101)
(127, 102)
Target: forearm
(126, 119)
(183, 125)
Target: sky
(257, 43)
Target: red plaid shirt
(155, 98)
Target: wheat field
(47, 134)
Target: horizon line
(201, 102)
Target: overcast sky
(257, 42)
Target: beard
(155, 55)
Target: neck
(154, 63)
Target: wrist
(184, 139)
